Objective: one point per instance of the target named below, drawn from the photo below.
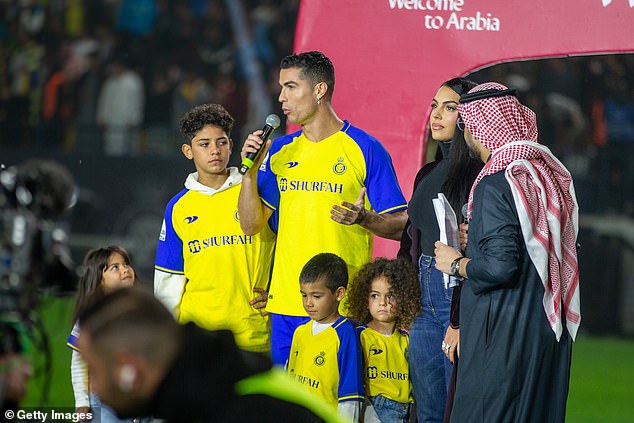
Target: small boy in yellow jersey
(325, 352)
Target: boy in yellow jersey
(325, 355)
(317, 179)
(207, 270)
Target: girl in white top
(104, 270)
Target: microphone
(465, 213)
(272, 122)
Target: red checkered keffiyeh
(544, 196)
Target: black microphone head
(273, 121)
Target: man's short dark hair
(327, 266)
(134, 320)
(314, 66)
(205, 114)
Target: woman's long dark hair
(462, 169)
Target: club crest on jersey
(340, 167)
(320, 359)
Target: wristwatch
(455, 267)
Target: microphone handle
(247, 162)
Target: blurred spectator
(120, 109)
(264, 16)
(87, 134)
(25, 72)
(613, 118)
(618, 111)
(56, 110)
(30, 14)
(136, 16)
(157, 134)
(193, 90)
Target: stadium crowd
(63, 62)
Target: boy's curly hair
(205, 114)
(403, 278)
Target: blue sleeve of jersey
(381, 183)
(267, 180)
(350, 360)
(169, 252)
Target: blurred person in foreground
(520, 308)
(15, 369)
(144, 363)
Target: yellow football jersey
(302, 180)
(328, 364)
(201, 239)
(386, 370)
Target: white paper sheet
(446, 218)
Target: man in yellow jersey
(207, 270)
(332, 184)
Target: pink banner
(390, 56)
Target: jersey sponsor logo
(309, 186)
(340, 167)
(191, 219)
(304, 380)
(291, 164)
(373, 372)
(320, 360)
(196, 246)
(375, 351)
(385, 374)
